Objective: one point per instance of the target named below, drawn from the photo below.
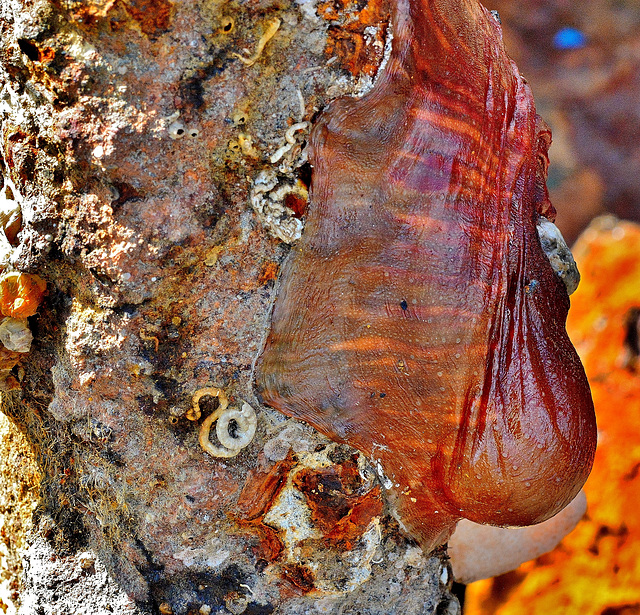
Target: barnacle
(10, 222)
(21, 294)
(239, 118)
(246, 145)
(177, 130)
(235, 428)
(227, 24)
(558, 253)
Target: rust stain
(36, 53)
(357, 50)
(270, 546)
(262, 488)
(259, 491)
(89, 14)
(269, 272)
(300, 576)
(338, 507)
(351, 527)
(153, 16)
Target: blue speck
(569, 38)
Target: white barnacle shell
(177, 130)
(558, 253)
(15, 334)
(10, 212)
(10, 222)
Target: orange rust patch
(338, 507)
(351, 527)
(300, 576)
(269, 546)
(47, 54)
(36, 53)
(153, 16)
(261, 488)
(259, 492)
(269, 272)
(358, 52)
(89, 14)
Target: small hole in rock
(305, 174)
(227, 24)
(209, 404)
(29, 49)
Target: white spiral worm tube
(245, 419)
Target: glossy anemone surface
(418, 318)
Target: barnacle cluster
(244, 144)
(270, 198)
(235, 428)
(278, 196)
(20, 293)
(177, 129)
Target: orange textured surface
(356, 36)
(338, 506)
(21, 294)
(596, 568)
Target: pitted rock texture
(134, 134)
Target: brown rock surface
(155, 149)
